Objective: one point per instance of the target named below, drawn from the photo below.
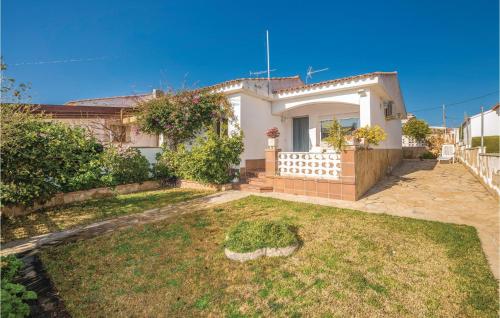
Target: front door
(300, 134)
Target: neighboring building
(471, 127)
(107, 123)
(449, 134)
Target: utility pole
(482, 128)
(444, 117)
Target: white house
(472, 126)
(302, 112)
(301, 163)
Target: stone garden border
(98, 193)
(267, 251)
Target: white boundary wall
(485, 166)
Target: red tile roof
(335, 81)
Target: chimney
(157, 93)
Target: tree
(181, 116)
(417, 129)
(40, 157)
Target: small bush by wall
(123, 166)
(209, 160)
(492, 143)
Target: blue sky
(444, 51)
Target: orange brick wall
(361, 169)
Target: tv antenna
(310, 72)
(256, 74)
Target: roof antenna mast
(310, 72)
(268, 64)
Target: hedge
(491, 142)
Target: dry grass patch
(68, 216)
(350, 264)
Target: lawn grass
(349, 264)
(68, 216)
(249, 236)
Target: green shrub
(427, 155)
(124, 165)
(166, 166)
(492, 143)
(248, 236)
(373, 135)
(210, 159)
(40, 158)
(13, 296)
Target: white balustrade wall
(485, 165)
(308, 164)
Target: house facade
(302, 114)
(302, 163)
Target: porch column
(365, 108)
(272, 162)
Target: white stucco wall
(491, 124)
(392, 127)
(256, 118)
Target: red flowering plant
(273, 132)
(181, 116)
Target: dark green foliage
(248, 236)
(210, 159)
(124, 165)
(427, 155)
(492, 143)
(13, 296)
(165, 167)
(417, 129)
(40, 158)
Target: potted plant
(272, 135)
(370, 135)
(337, 136)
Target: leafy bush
(249, 236)
(183, 115)
(373, 135)
(124, 165)
(417, 129)
(13, 296)
(166, 166)
(427, 155)
(492, 143)
(210, 159)
(39, 157)
(337, 135)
